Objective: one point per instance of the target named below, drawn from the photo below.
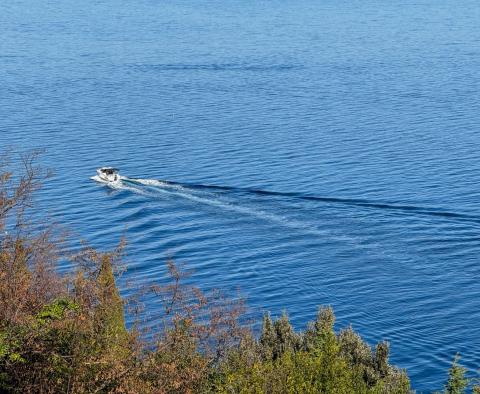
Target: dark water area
(316, 152)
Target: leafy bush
(318, 360)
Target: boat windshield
(110, 171)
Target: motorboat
(108, 174)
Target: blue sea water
(342, 138)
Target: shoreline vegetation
(67, 333)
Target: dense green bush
(315, 361)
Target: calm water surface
(343, 138)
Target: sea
(300, 153)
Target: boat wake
(418, 210)
(120, 184)
(191, 191)
(197, 193)
(227, 199)
(153, 186)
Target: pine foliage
(457, 382)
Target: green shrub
(457, 382)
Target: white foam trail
(156, 183)
(181, 191)
(119, 185)
(184, 192)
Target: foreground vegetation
(67, 333)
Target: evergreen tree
(382, 352)
(320, 335)
(109, 313)
(267, 338)
(286, 340)
(457, 382)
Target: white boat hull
(106, 175)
